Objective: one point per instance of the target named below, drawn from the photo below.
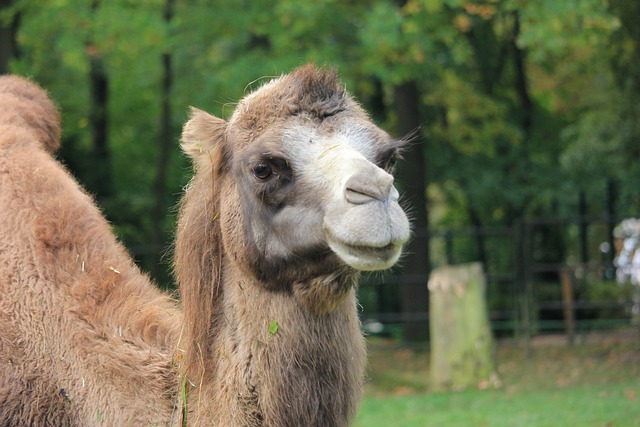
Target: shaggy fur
(268, 334)
(235, 284)
(84, 336)
(310, 371)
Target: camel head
(303, 180)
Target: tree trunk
(521, 80)
(8, 42)
(164, 149)
(99, 123)
(101, 182)
(461, 341)
(412, 177)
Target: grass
(594, 383)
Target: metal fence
(543, 275)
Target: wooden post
(568, 310)
(461, 341)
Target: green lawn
(593, 384)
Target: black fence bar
(523, 269)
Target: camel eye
(262, 171)
(392, 161)
(388, 163)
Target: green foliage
(501, 141)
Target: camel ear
(202, 133)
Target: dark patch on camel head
(318, 93)
(308, 91)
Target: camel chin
(366, 258)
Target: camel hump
(26, 106)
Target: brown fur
(84, 336)
(270, 336)
(26, 108)
(310, 371)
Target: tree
(412, 170)
(494, 93)
(101, 184)
(165, 139)
(9, 23)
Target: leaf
(273, 327)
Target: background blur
(525, 117)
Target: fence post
(568, 309)
(524, 299)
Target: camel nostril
(356, 197)
(361, 189)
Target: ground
(595, 382)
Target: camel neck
(275, 363)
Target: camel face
(309, 181)
(320, 190)
(344, 164)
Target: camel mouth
(366, 257)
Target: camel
(291, 198)
(85, 338)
